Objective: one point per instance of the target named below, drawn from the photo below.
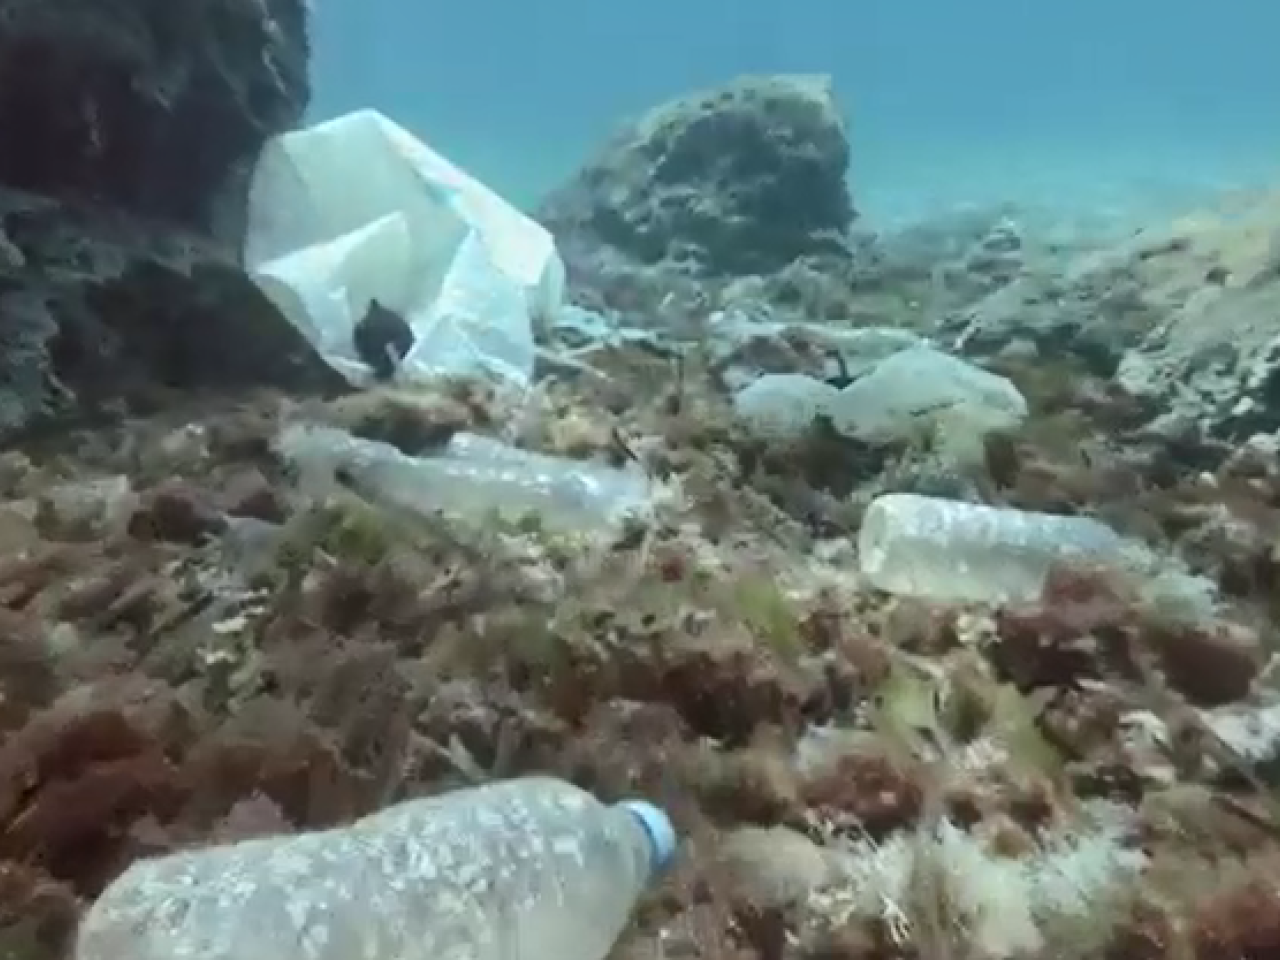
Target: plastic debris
(530, 867)
(355, 212)
(923, 388)
(783, 405)
(952, 551)
(473, 476)
(916, 392)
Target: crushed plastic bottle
(948, 550)
(526, 869)
(474, 476)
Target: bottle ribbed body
(527, 868)
(949, 550)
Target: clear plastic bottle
(525, 869)
(949, 550)
(472, 475)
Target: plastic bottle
(526, 869)
(474, 476)
(948, 550)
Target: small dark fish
(382, 339)
(841, 378)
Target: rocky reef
(201, 644)
(130, 130)
(742, 181)
(158, 109)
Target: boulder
(741, 180)
(102, 314)
(131, 130)
(155, 108)
(775, 868)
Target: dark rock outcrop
(101, 314)
(128, 133)
(741, 180)
(158, 107)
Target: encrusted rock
(739, 180)
(130, 133)
(156, 108)
(1089, 315)
(774, 867)
(107, 313)
(1182, 316)
(178, 512)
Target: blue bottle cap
(660, 830)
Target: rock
(1183, 316)
(994, 261)
(177, 512)
(743, 346)
(920, 248)
(740, 180)
(85, 509)
(1251, 730)
(843, 288)
(18, 529)
(130, 131)
(1210, 665)
(576, 329)
(775, 867)
(1092, 313)
(156, 108)
(249, 494)
(1214, 280)
(106, 313)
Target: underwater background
(1097, 105)
(925, 569)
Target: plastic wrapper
(915, 392)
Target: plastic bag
(920, 386)
(924, 393)
(357, 210)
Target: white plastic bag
(782, 406)
(922, 392)
(356, 209)
(462, 334)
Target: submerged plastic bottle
(948, 550)
(471, 475)
(525, 869)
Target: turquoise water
(1093, 105)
